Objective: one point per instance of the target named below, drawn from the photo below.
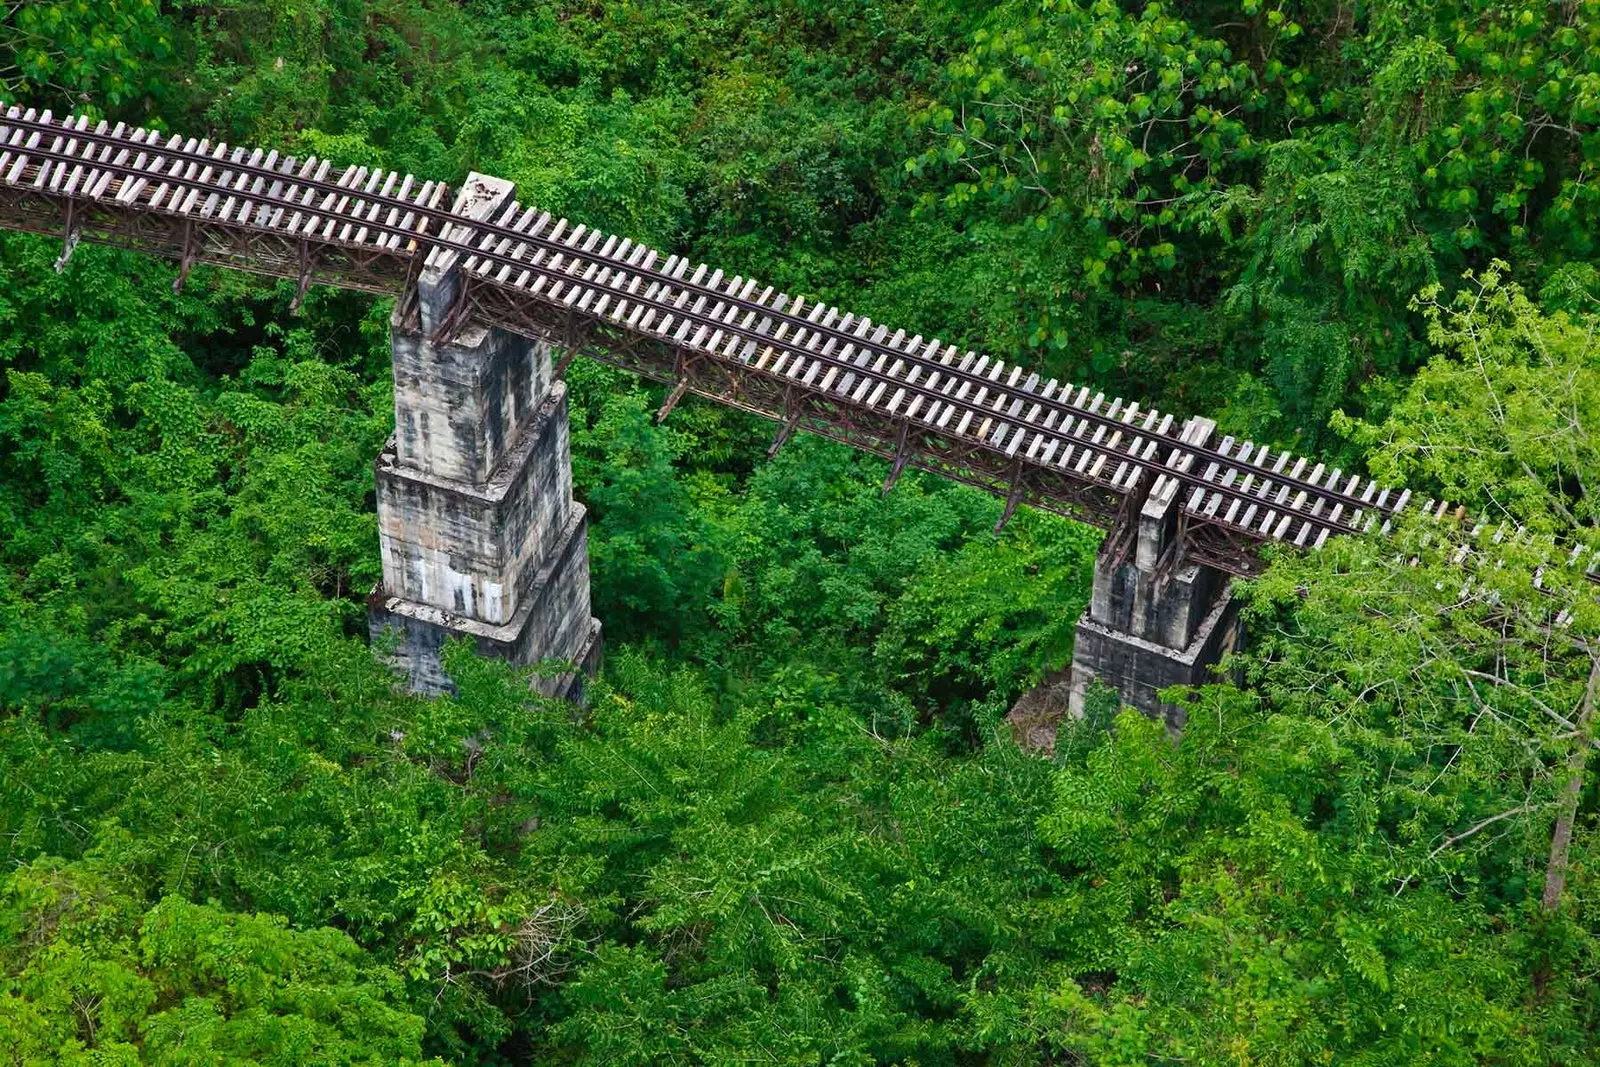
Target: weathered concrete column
(1149, 624)
(480, 535)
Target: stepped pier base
(480, 535)
(1153, 620)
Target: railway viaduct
(479, 531)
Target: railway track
(918, 401)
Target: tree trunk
(1555, 872)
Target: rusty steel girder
(904, 442)
(196, 204)
(257, 250)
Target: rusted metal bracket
(577, 335)
(409, 308)
(186, 258)
(1167, 566)
(303, 282)
(1124, 532)
(901, 454)
(459, 308)
(1013, 498)
(672, 399)
(785, 430)
(70, 236)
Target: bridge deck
(918, 401)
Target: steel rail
(296, 190)
(293, 191)
(347, 201)
(486, 232)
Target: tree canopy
(791, 825)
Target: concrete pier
(480, 535)
(1153, 621)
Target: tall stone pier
(480, 535)
(1153, 621)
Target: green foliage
(789, 827)
(1268, 929)
(905, 589)
(649, 549)
(1102, 124)
(90, 975)
(1358, 854)
(106, 53)
(1194, 201)
(1504, 407)
(1313, 164)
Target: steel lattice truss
(916, 401)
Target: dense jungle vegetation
(792, 826)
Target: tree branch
(1555, 872)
